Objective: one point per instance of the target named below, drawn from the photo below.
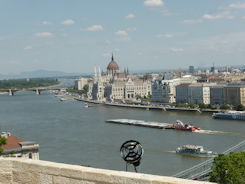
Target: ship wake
(211, 132)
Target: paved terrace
(27, 171)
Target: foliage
(229, 169)
(192, 105)
(203, 106)
(24, 83)
(145, 98)
(2, 142)
(224, 106)
(239, 107)
(83, 91)
(186, 105)
(182, 105)
(85, 88)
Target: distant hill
(39, 74)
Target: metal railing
(201, 171)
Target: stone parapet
(27, 171)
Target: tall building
(80, 83)
(182, 93)
(193, 93)
(191, 69)
(165, 90)
(235, 95)
(217, 95)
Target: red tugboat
(179, 125)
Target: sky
(76, 35)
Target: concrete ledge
(27, 171)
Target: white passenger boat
(194, 150)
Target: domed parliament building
(116, 86)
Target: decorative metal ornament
(131, 152)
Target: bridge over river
(202, 170)
(37, 90)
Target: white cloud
(223, 15)
(28, 47)
(1, 38)
(241, 5)
(46, 23)
(153, 3)
(131, 29)
(165, 36)
(63, 34)
(192, 21)
(43, 34)
(95, 28)
(13, 62)
(123, 36)
(108, 42)
(68, 22)
(225, 43)
(106, 54)
(130, 16)
(176, 49)
(121, 33)
(124, 39)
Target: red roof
(12, 142)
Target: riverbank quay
(150, 107)
(20, 171)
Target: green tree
(203, 106)
(239, 107)
(192, 105)
(224, 106)
(85, 88)
(2, 142)
(229, 169)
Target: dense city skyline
(143, 34)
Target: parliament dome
(113, 66)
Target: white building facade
(165, 90)
(193, 93)
(80, 83)
(113, 85)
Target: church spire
(112, 59)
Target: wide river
(70, 133)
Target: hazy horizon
(75, 36)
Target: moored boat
(194, 150)
(179, 125)
(231, 115)
(63, 99)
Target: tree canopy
(229, 169)
(24, 83)
(239, 107)
(2, 142)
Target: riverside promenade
(151, 107)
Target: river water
(70, 133)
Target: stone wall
(27, 171)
